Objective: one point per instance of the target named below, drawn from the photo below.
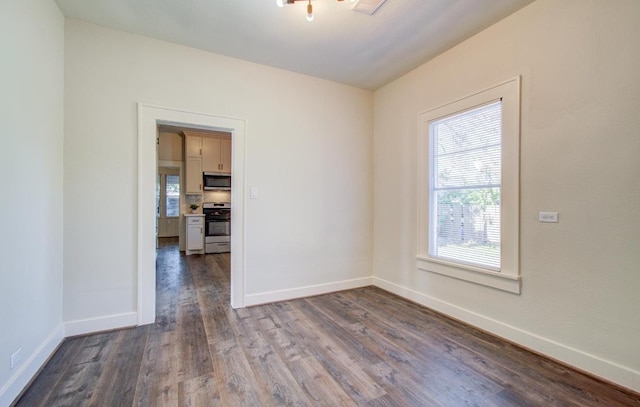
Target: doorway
(149, 117)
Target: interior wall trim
(306, 291)
(590, 364)
(99, 324)
(12, 389)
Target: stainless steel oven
(217, 220)
(218, 228)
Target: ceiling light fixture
(310, 11)
(310, 16)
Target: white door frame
(148, 118)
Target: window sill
(497, 280)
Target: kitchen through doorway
(149, 118)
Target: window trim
(508, 278)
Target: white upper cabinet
(216, 155)
(205, 152)
(225, 155)
(193, 163)
(193, 175)
(193, 145)
(169, 147)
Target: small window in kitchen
(168, 192)
(172, 193)
(469, 167)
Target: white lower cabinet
(195, 234)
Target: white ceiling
(340, 45)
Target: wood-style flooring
(362, 347)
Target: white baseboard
(308, 291)
(12, 388)
(592, 364)
(107, 323)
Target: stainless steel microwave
(214, 181)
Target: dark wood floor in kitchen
(361, 347)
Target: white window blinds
(465, 186)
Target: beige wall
(308, 149)
(31, 100)
(580, 69)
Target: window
(172, 192)
(168, 192)
(469, 160)
(464, 186)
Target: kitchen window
(172, 193)
(469, 188)
(168, 192)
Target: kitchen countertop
(194, 214)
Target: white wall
(31, 102)
(308, 150)
(580, 70)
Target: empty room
(320, 202)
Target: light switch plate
(253, 193)
(548, 217)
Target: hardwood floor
(362, 347)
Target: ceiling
(340, 45)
